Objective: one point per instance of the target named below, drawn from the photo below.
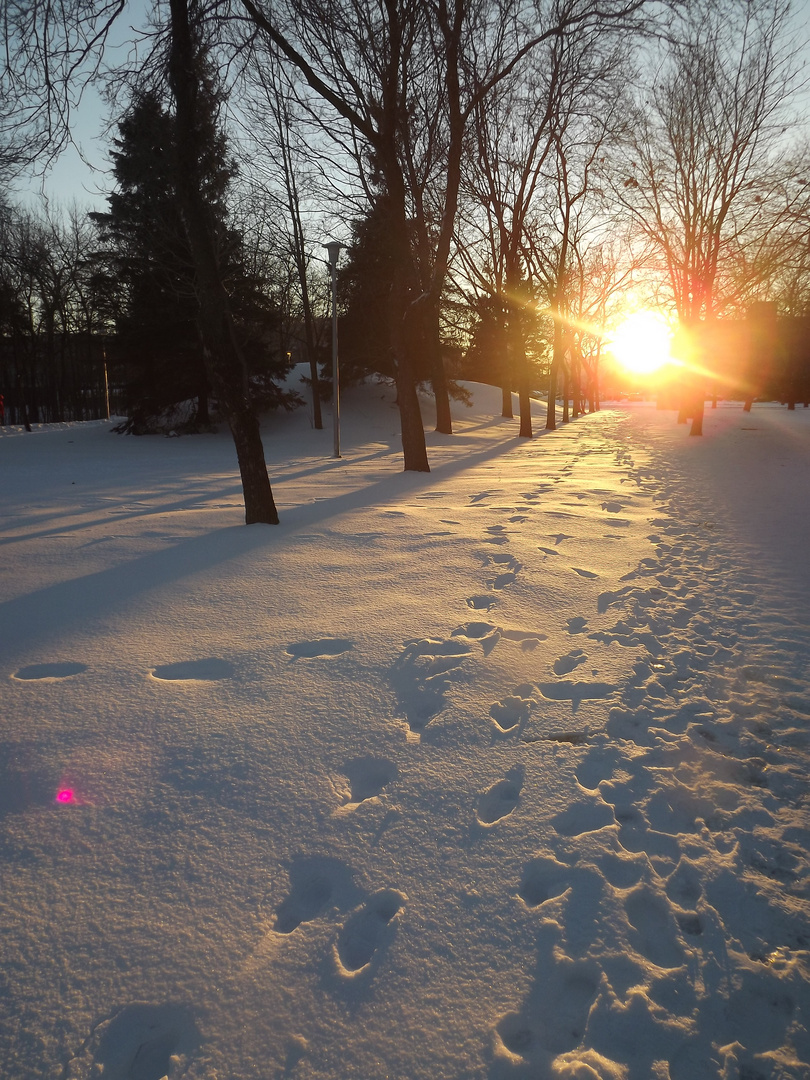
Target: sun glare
(641, 344)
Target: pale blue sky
(89, 181)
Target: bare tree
(537, 134)
(52, 52)
(282, 167)
(391, 69)
(704, 141)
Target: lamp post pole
(334, 249)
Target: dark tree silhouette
(224, 359)
(148, 266)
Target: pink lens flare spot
(66, 795)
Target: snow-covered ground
(498, 772)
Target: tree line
(507, 175)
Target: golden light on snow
(642, 343)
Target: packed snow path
(489, 774)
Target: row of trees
(52, 340)
(510, 174)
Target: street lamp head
(334, 249)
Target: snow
(493, 773)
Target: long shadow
(392, 487)
(113, 516)
(45, 613)
(41, 615)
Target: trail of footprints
(206, 669)
(662, 924)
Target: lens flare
(642, 343)
(66, 795)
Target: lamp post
(334, 249)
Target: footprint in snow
(503, 558)
(690, 924)
(566, 664)
(366, 930)
(486, 633)
(64, 669)
(683, 885)
(145, 1042)
(600, 764)
(482, 602)
(543, 879)
(510, 570)
(309, 650)
(498, 801)
(552, 1022)
(421, 677)
(315, 883)
(513, 709)
(367, 777)
(655, 927)
(210, 669)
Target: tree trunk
(414, 448)
(697, 414)
(312, 356)
(517, 363)
(553, 375)
(520, 364)
(441, 393)
(551, 407)
(507, 374)
(225, 364)
(309, 337)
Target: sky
(82, 174)
(493, 773)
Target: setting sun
(641, 344)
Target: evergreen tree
(150, 272)
(149, 268)
(366, 282)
